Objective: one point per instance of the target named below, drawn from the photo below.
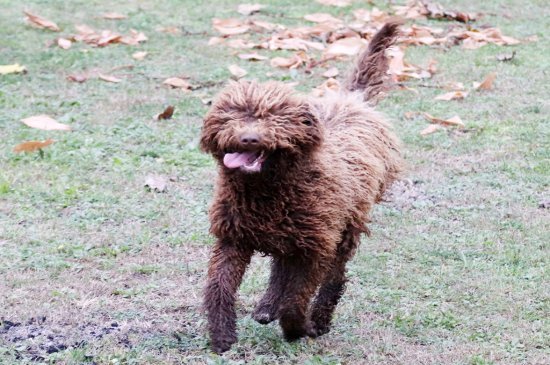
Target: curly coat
(298, 177)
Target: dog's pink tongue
(237, 159)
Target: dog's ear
(210, 129)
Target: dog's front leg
(226, 268)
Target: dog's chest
(270, 224)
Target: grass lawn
(96, 269)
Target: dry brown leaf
(240, 44)
(331, 72)
(453, 95)
(170, 30)
(505, 57)
(410, 115)
(80, 78)
(134, 38)
(106, 37)
(40, 22)
(362, 15)
(338, 3)
(12, 69)
(230, 26)
(327, 85)
(487, 83)
(236, 71)
(454, 121)
(166, 114)
(432, 128)
(252, 57)
(178, 83)
(31, 146)
(45, 123)
(267, 26)
(114, 16)
(156, 183)
(215, 41)
(64, 43)
(454, 85)
(322, 18)
(248, 9)
(297, 60)
(139, 55)
(109, 78)
(346, 47)
(282, 62)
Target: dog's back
(360, 145)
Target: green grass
(456, 276)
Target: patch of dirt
(37, 337)
(407, 194)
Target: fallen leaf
(166, 114)
(139, 55)
(108, 78)
(505, 57)
(487, 83)
(432, 128)
(327, 85)
(178, 83)
(248, 9)
(12, 69)
(106, 37)
(45, 123)
(114, 16)
(134, 38)
(156, 183)
(215, 41)
(454, 85)
(230, 26)
(236, 71)
(453, 95)
(267, 26)
(297, 60)
(454, 121)
(171, 30)
(252, 57)
(362, 15)
(240, 44)
(64, 43)
(31, 146)
(322, 18)
(331, 72)
(40, 22)
(346, 47)
(338, 3)
(78, 77)
(410, 115)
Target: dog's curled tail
(369, 74)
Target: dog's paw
(317, 330)
(263, 315)
(222, 345)
(294, 335)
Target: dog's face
(252, 123)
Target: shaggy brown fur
(297, 179)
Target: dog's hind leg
(303, 278)
(267, 309)
(334, 284)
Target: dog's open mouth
(247, 161)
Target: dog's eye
(307, 122)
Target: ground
(97, 269)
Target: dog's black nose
(250, 138)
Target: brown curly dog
(297, 179)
